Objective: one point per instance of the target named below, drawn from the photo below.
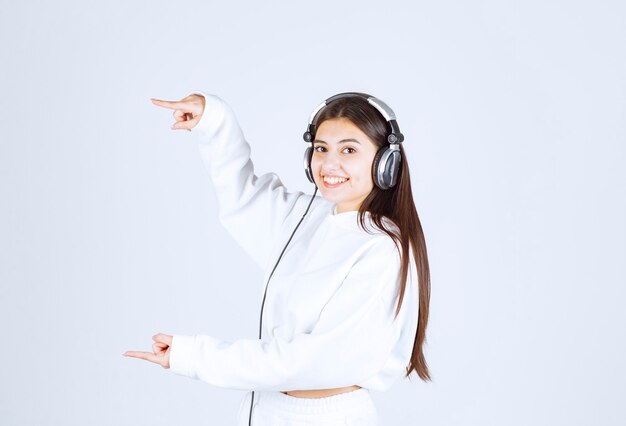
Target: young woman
(344, 313)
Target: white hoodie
(328, 314)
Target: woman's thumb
(186, 125)
(163, 338)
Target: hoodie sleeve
(352, 340)
(251, 208)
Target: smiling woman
(349, 303)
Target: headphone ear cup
(385, 167)
(376, 176)
(308, 154)
(392, 167)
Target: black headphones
(387, 160)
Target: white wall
(514, 115)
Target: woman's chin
(334, 200)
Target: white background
(515, 121)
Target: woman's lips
(335, 185)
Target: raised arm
(252, 208)
(351, 342)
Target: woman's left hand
(160, 347)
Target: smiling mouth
(334, 181)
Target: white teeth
(334, 180)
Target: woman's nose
(330, 162)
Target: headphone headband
(394, 136)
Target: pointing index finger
(148, 356)
(166, 104)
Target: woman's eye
(317, 148)
(351, 150)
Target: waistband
(356, 400)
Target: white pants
(274, 408)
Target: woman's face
(342, 163)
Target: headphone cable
(268, 281)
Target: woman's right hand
(187, 111)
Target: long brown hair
(397, 205)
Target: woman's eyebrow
(341, 141)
